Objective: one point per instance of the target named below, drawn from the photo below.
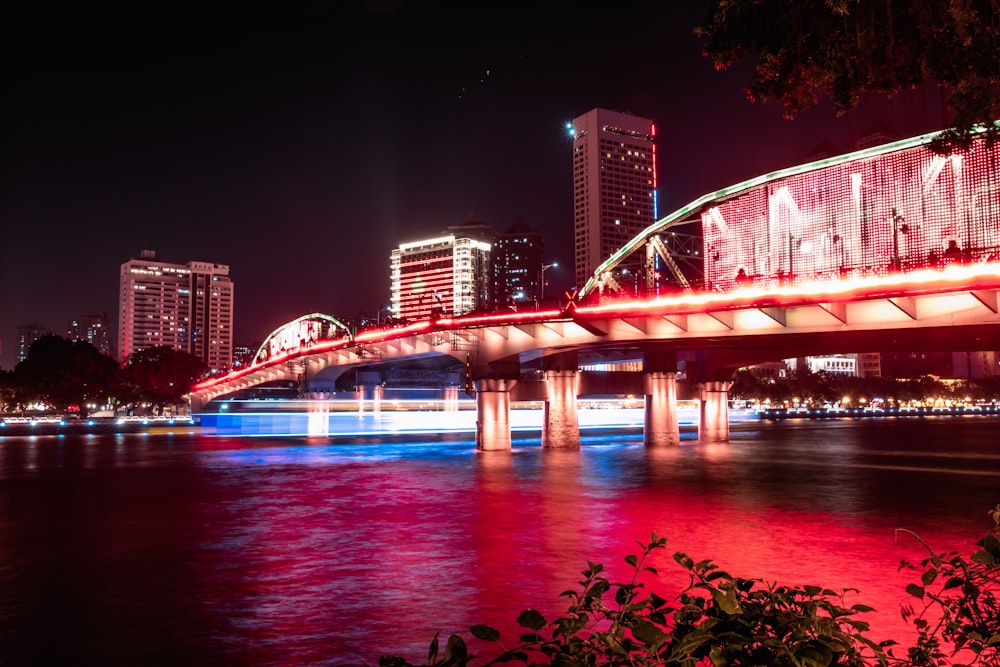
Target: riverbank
(863, 413)
(411, 423)
(21, 426)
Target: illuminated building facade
(212, 314)
(188, 307)
(92, 328)
(518, 258)
(614, 186)
(446, 275)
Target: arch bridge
(893, 247)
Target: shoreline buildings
(187, 307)
(519, 261)
(614, 187)
(449, 274)
(468, 268)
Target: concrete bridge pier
(661, 426)
(713, 422)
(451, 398)
(493, 414)
(560, 423)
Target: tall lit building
(518, 259)
(614, 186)
(187, 307)
(92, 328)
(447, 275)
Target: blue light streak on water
(326, 418)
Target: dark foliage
(845, 49)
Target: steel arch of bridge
(282, 336)
(675, 247)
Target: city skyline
(300, 148)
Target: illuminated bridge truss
(893, 208)
(300, 334)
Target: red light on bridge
(927, 281)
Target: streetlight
(541, 279)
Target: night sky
(301, 142)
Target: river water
(187, 549)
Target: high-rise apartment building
(518, 260)
(614, 186)
(187, 307)
(446, 275)
(92, 328)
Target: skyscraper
(518, 256)
(92, 328)
(614, 186)
(188, 307)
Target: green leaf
(647, 633)
(983, 558)
(726, 604)
(862, 608)
(456, 651)
(632, 560)
(814, 656)
(531, 619)
(433, 652)
(915, 591)
(512, 656)
(485, 632)
(929, 576)
(656, 601)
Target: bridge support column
(713, 422)
(451, 398)
(493, 414)
(560, 424)
(661, 424)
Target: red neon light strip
(950, 279)
(981, 276)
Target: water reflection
(187, 550)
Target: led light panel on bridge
(894, 212)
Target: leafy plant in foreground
(720, 620)
(957, 615)
(717, 620)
